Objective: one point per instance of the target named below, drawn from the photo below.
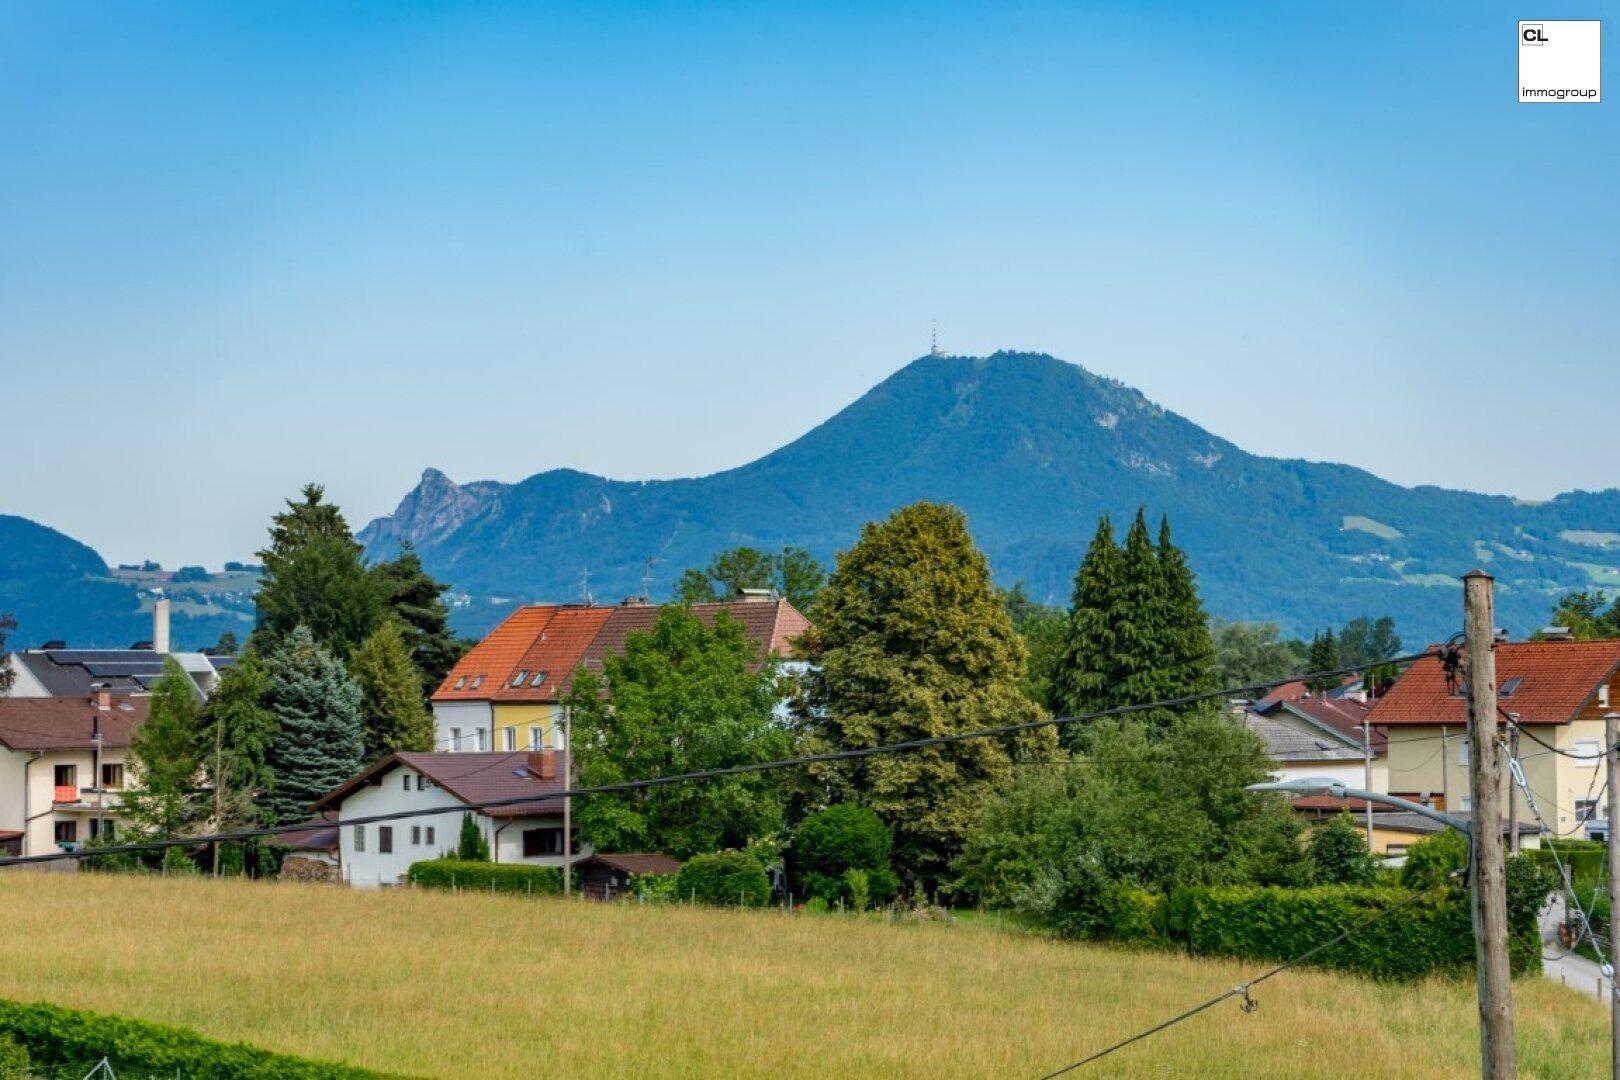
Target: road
(1576, 972)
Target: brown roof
(471, 777)
(559, 640)
(66, 723)
(1344, 715)
(319, 834)
(637, 863)
(1557, 679)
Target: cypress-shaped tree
(1082, 675)
(472, 845)
(1324, 656)
(1189, 647)
(319, 741)
(390, 693)
(911, 640)
(1141, 622)
(165, 757)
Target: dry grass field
(434, 984)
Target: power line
(1242, 989)
(854, 753)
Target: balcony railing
(65, 793)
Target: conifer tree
(314, 577)
(1324, 656)
(408, 591)
(1142, 622)
(1189, 645)
(234, 738)
(1082, 675)
(390, 693)
(165, 757)
(911, 640)
(319, 740)
(472, 845)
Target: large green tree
(315, 577)
(165, 757)
(1324, 656)
(912, 641)
(1249, 654)
(793, 573)
(390, 693)
(680, 698)
(234, 736)
(1367, 641)
(1082, 677)
(1043, 628)
(1589, 614)
(319, 740)
(412, 595)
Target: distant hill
(1033, 449)
(56, 587)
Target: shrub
(471, 846)
(858, 884)
(1338, 854)
(1434, 936)
(653, 888)
(1435, 860)
(53, 1037)
(1134, 916)
(487, 876)
(830, 843)
(14, 1060)
(1585, 858)
(725, 878)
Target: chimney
(104, 700)
(543, 764)
(160, 625)
(756, 596)
(1556, 633)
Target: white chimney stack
(160, 625)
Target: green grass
(461, 985)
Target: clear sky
(243, 246)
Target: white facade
(463, 725)
(373, 858)
(51, 815)
(1349, 773)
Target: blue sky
(244, 246)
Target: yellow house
(1556, 692)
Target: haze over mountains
(1031, 447)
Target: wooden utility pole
(1512, 788)
(1498, 1054)
(1611, 756)
(1366, 738)
(568, 808)
(1445, 770)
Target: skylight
(1511, 685)
(539, 677)
(461, 683)
(517, 680)
(478, 680)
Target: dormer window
(517, 680)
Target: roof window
(517, 680)
(461, 683)
(478, 680)
(539, 677)
(1509, 686)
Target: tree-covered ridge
(1034, 450)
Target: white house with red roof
(1557, 692)
(62, 769)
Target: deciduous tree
(165, 757)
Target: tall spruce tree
(319, 741)
(165, 757)
(1324, 656)
(390, 693)
(911, 641)
(1189, 648)
(1082, 677)
(408, 591)
(314, 577)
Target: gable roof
(73, 672)
(1284, 742)
(634, 862)
(1557, 679)
(478, 777)
(67, 723)
(559, 640)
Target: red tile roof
(1344, 715)
(1557, 680)
(559, 640)
(471, 777)
(66, 723)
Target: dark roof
(1285, 742)
(73, 672)
(1557, 680)
(320, 834)
(66, 723)
(635, 863)
(478, 777)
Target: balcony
(65, 793)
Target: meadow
(438, 984)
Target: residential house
(1557, 690)
(1319, 736)
(62, 768)
(1393, 834)
(506, 694)
(58, 671)
(443, 787)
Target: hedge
(1268, 923)
(486, 877)
(1585, 858)
(56, 1037)
(727, 878)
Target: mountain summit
(1034, 449)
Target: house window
(421, 782)
(541, 842)
(537, 738)
(1585, 810)
(102, 828)
(1590, 749)
(430, 836)
(478, 738)
(385, 839)
(407, 785)
(1395, 851)
(455, 738)
(1603, 696)
(416, 835)
(461, 683)
(67, 776)
(509, 735)
(112, 776)
(517, 680)
(1511, 686)
(557, 739)
(67, 832)
(359, 838)
(478, 680)
(539, 677)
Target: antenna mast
(933, 347)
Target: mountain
(58, 588)
(1033, 449)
